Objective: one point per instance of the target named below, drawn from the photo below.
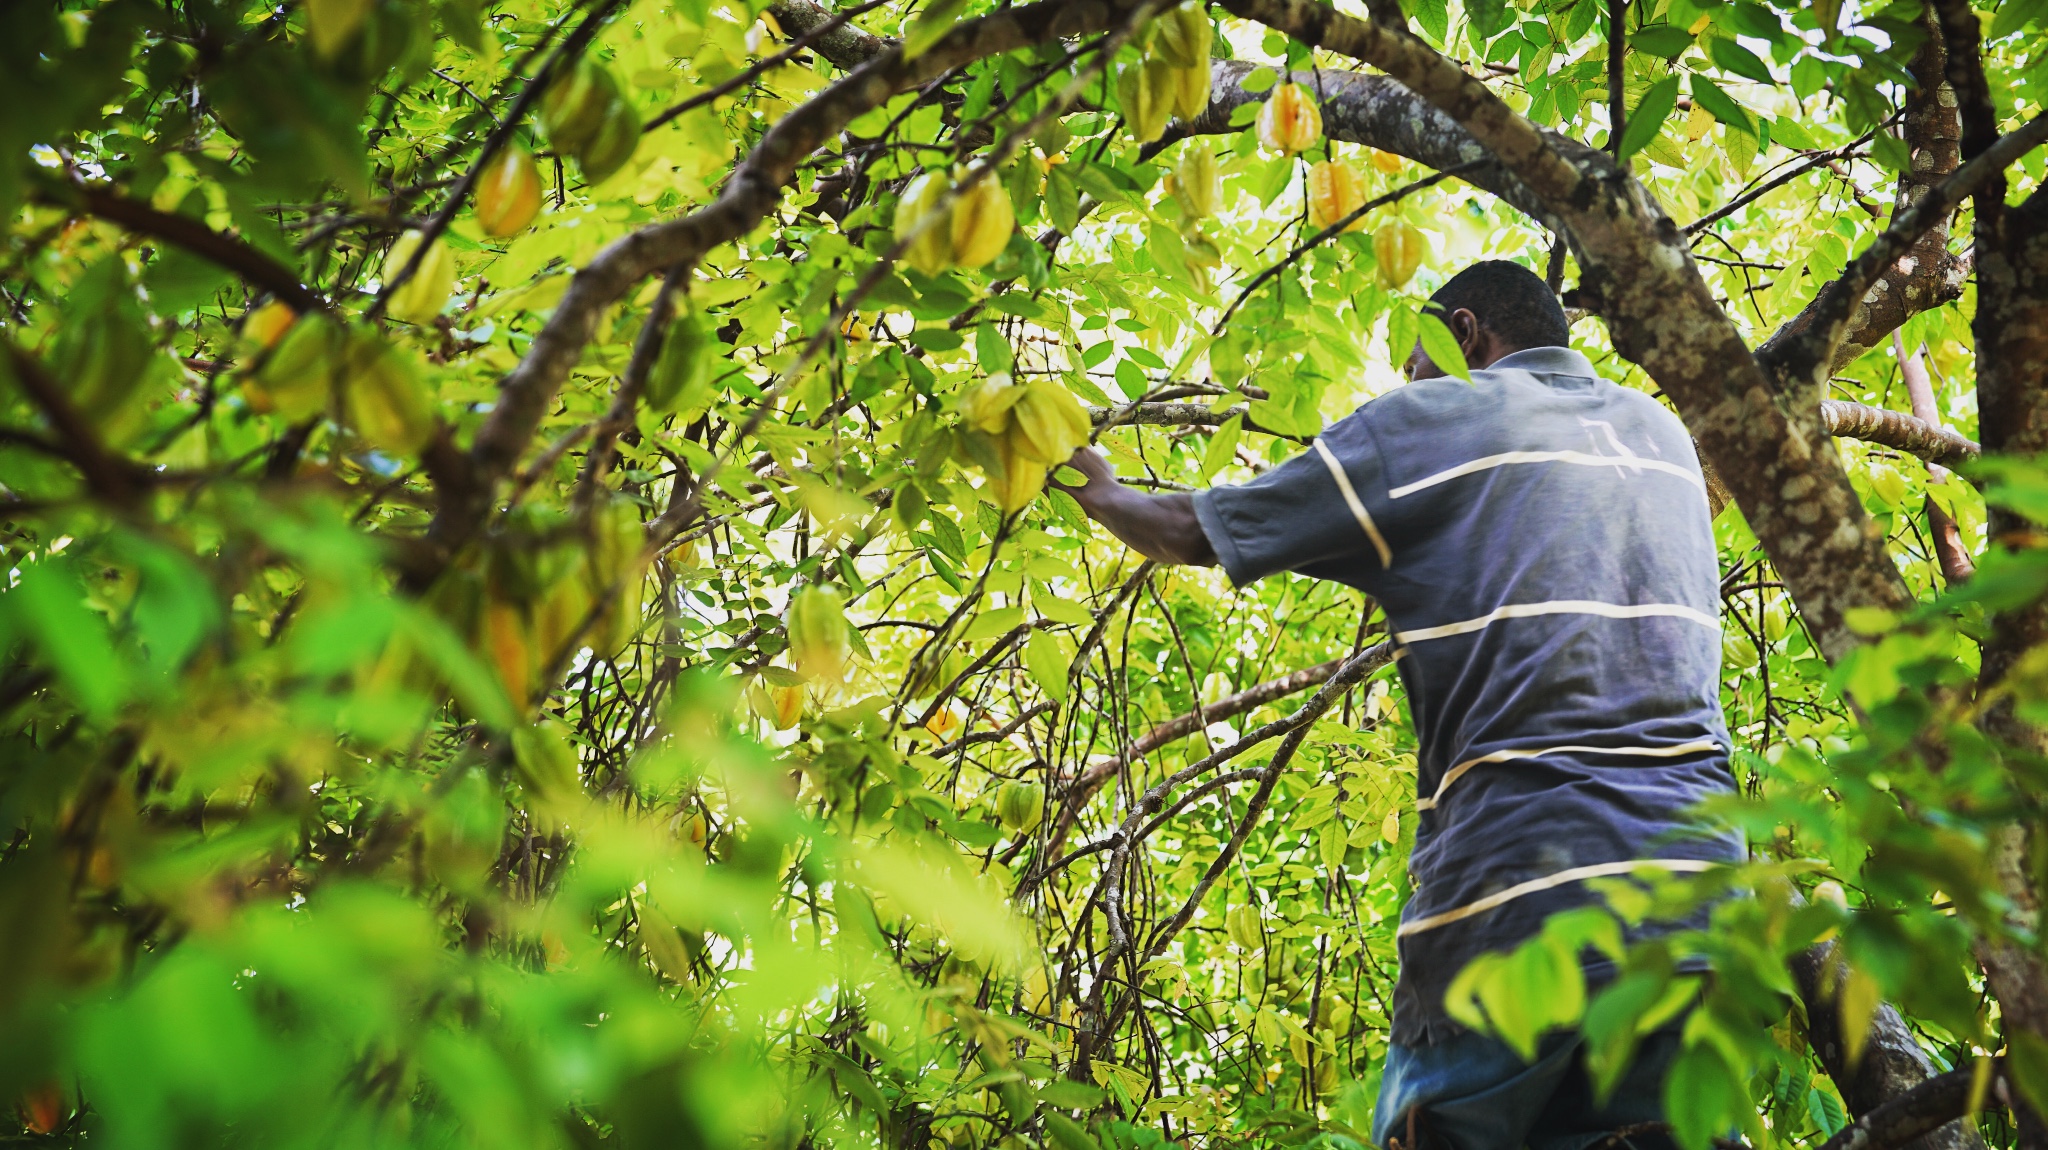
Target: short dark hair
(1511, 301)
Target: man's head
(1494, 308)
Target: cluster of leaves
(311, 828)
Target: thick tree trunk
(2011, 331)
(1892, 1061)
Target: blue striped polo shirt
(1541, 544)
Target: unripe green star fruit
(1243, 926)
(614, 143)
(420, 298)
(384, 395)
(987, 407)
(508, 193)
(1197, 32)
(680, 379)
(1191, 92)
(546, 761)
(574, 107)
(297, 377)
(1021, 806)
(932, 251)
(103, 357)
(1134, 97)
(982, 223)
(1170, 41)
(614, 568)
(1160, 86)
(1048, 423)
(816, 625)
(1018, 478)
(1196, 182)
(560, 613)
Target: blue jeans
(1474, 1093)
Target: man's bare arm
(1161, 527)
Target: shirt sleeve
(1309, 511)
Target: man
(1540, 541)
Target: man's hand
(1161, 527)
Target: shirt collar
(1547, 361)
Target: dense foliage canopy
(533, 615)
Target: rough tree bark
(1928, 275)
(2011, 330)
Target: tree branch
(110, 477)
(1928, 275)
(1925, 1108)
(217, 248)
(1804, 357)
(1909, 433)
(1817, 159)
(843, 44)
(809, 37)
(1374, 110)
(1949, 549)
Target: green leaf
(2027, 1056)
(1068, 1094)
(993, 622)
(991, 350)
(48, 605)
(1222, 447)
(1069, 1134)
(1062, 200)
(1825, 1111)
(1441, 346)
(332, 22)
(1733, 57)
(1648, 117)
(1720, 104)
(931, 26)
(1259, 79)
(2014, 15)
(1666, 40)
(1042, 657)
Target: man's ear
(1464, 327)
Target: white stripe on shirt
(1358, 510)
(1457, 772)
(1561, 607)
(1490, 462)
(1598, 870)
